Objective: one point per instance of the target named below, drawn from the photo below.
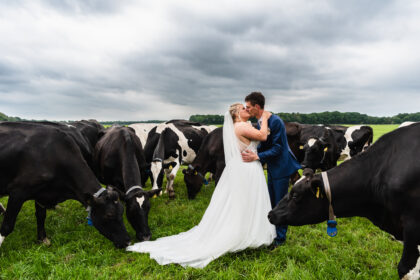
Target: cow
(358, 138)
(211, 158)
(380, 184)
(323, 146)
(85, 133)
(43, 163)
(173, 143)
(120, 163)
(142, 130)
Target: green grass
(359, 251)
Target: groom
(275, 151)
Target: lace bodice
(252, 146)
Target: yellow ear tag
(317, 192)
(170, 167)
(301, 147)
(195, 173)
(326, 149)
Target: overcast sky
(142, 60)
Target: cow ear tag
(301, 147)
(154, 196)
(195, 173)
(332, 228)
(326, 149)
(317, 192)
(170, 167)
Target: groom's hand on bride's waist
(249, 156)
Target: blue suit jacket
(275, 151)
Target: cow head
(193, 180)
(306, 203)
(137, 210)
(315, 152)
(107, 217)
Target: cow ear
(115, 193)
(317, 185)
(154, 192)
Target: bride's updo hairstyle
(234, 111)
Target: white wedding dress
(235, 219)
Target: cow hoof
(46, 241)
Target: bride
(236, 217)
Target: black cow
(211, 158)
(43, 163)
(178, 143)
(380, 184)
(120, 162)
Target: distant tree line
(4, 117)
(311, 118)
(324, 118)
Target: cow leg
(171, 180)
(409, 266)
(13, 207)
(2, 209)
(41, 214)
(167, 180)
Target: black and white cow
(211, 158)
(175, 142)
(120, 163)
(142, 130)
(381, 184)
(357, 138)
(43, 163)
(323, 146)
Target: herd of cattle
(52, 162)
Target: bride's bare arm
(246, 130)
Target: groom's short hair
(256, 97)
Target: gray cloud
(127, 60)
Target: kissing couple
(236, 217)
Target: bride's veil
(230, 141)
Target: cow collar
(89, 209)
(133, 188)
(331, 223)
(199, 174)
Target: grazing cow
(43, 163)
(380, 184)
(176, 142)
(211, 158)
(142, 130)
(325, 145)
(84, 133)
(120, 162)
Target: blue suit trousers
(278, 188)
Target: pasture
(359, 251)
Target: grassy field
(359, 251)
